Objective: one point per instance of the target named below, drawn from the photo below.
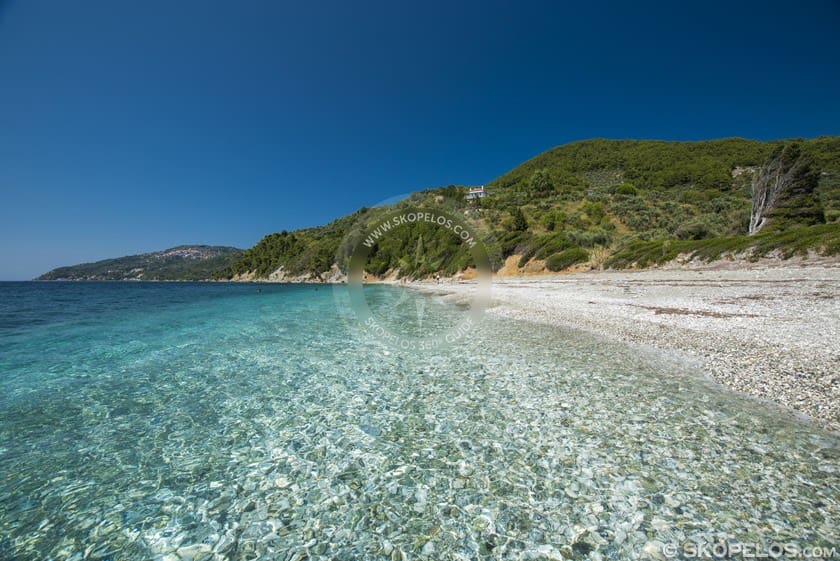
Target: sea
(216, 421)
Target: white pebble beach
(770, 332)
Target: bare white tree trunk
(771, 181)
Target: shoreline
(768, 332)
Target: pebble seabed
(260, 442)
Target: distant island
(185, 262)
(586, 205)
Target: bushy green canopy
(621, 196)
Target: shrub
(553, 244)
(567, 258)
(626, 189)
(541, 182)
(519, 223)
(527, 255)
(509, 242)
(696, 229)
(591, 237)
(595, 211)
(549, 221)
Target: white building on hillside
(476, 193)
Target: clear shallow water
(205, 421)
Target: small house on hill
(475, 193)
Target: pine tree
(520, 224)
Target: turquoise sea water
(234, 421)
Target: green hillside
(617, 203)
(186, 262)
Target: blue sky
(134, 126)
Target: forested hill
(590, 204)
(597, 203)
(186, 262)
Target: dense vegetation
(416, 249)
(186, 262)
(621, 203)
(785, 243)
(603, 203)
(566, 259)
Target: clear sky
(134, 126)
